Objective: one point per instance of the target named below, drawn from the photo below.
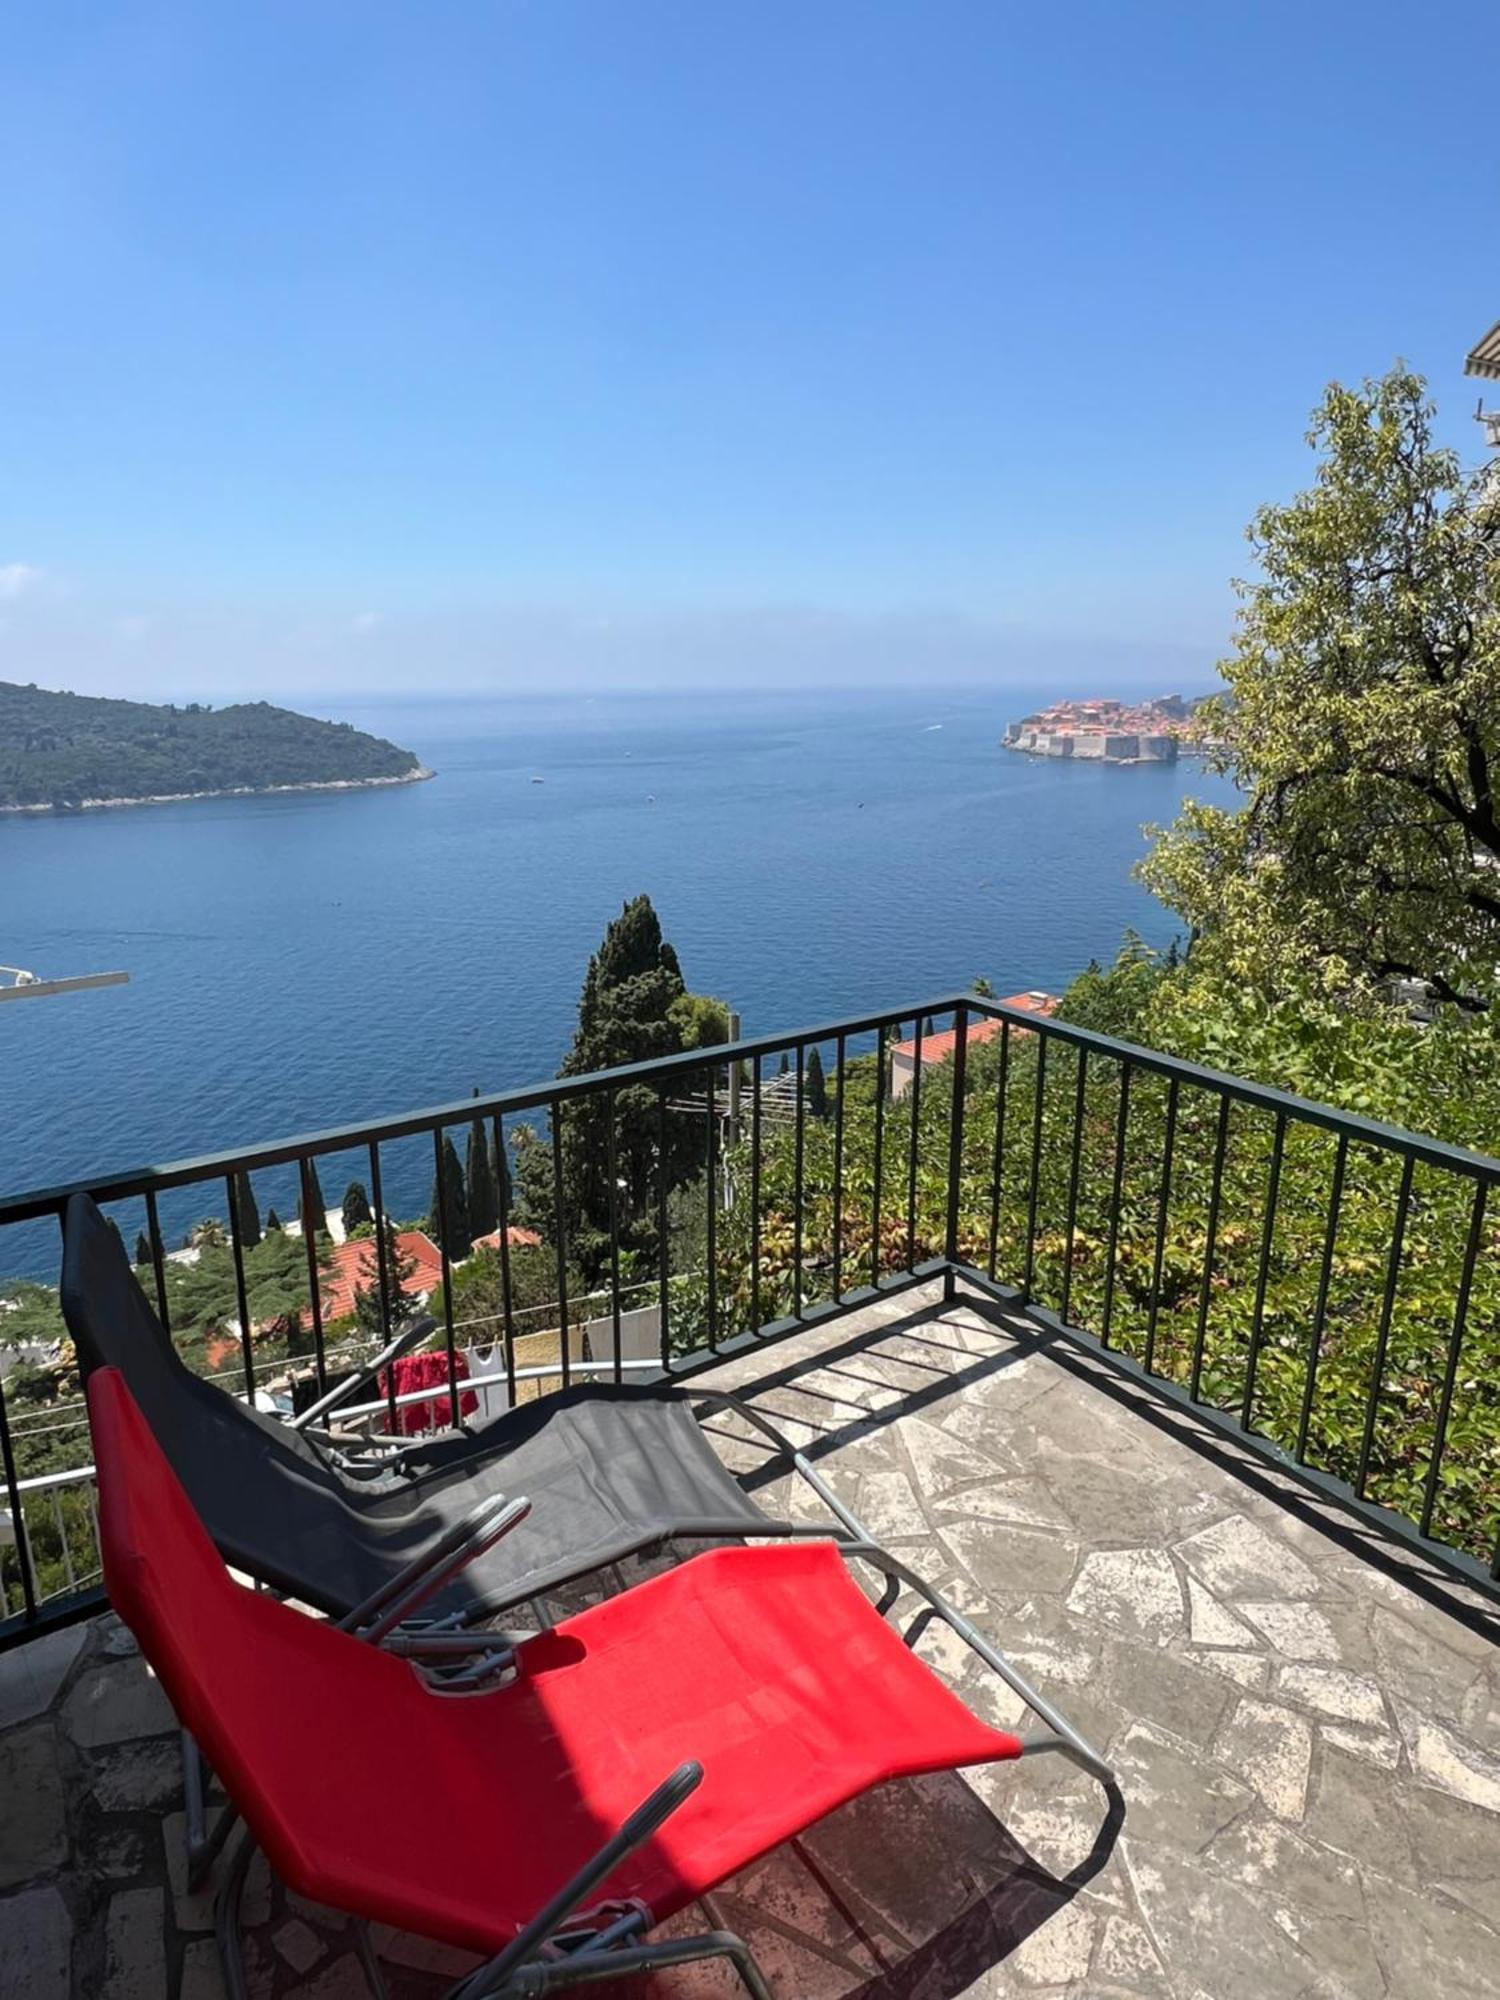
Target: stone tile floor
(1307, 1735)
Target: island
(1113, 732)
(63, 752)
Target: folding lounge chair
(636, 1755)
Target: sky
(356, 348)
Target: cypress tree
(320, 1204)
(398, 1270)
(456, 1238)
(246, 1213)
(143, 1248)
(626, 1014)
(357, 1210)
(814, 1085)
(484, 1210)
(273, 1221)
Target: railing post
(955, 1152)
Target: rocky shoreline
(412, 777)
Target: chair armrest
(408, 1338)
(634, 1833)
(425, 1575)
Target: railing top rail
(661, 1070)
(1368, 1131)
(43, 1202)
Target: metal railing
(1308, 1282)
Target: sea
(308, 959)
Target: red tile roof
(517, 1238)
(343, 1270)
(938, 1048)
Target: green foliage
(273, 1221)
(479, 1172)
(1362, 721)
(814, 1086)
(246, 1213)
(142, 1248)
(634, 1006)
(448, 1211)
(357, 1213)
(60, 749)
(319, 1222)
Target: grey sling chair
(611, 1471)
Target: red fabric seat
(458, 1816)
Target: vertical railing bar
(755, 1312)
(448, 1340)
(1455, 1346)
(1210, 1244)
(1034, 1192)
(955, 1148)
(383, 1281)
(1325, 1279)
(838, 1172)
(711, 1196)
(311, 1218)
(1263, 1272)
(158, 1260)
(62, 1540)
(799, 1157)
(879, 1159)
(915, 1094)
(1001, 1091)
(1164, 1202)
(663, 1239)
(612, 1167)
(1383, 1335)
(507, 1302)
(241, 1296)
(560, 1230)
(17, 1510)
(1072, 1230)
(1116, 1197)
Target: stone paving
(1307, 1731)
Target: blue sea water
(309, 959)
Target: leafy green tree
(453, 1207)
(246, 1213)
(357, 1211)
(207, 1234)
(320, 1202)
(479, 1173)
(399, 1269)
(628, 1012)
(814, 1085)
(142, 1249)
(273, 1222)
(1362, 720)
(983, 988)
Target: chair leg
(536, 1980)
(203, 1848)
(227, 1918)
(364, 1944)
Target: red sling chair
(635, 1756)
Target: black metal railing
(1309, 1282)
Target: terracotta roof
(517, 1238)
(344, 1270)
(1485, 357)
(938, 1048)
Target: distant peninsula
(66, 752)
(1113, 732)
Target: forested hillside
(61, 749)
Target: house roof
(938, 1048)
(343, 1270)
(516, 1237)
(1484, 358)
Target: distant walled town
(1111, 732)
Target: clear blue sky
(407, 347)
